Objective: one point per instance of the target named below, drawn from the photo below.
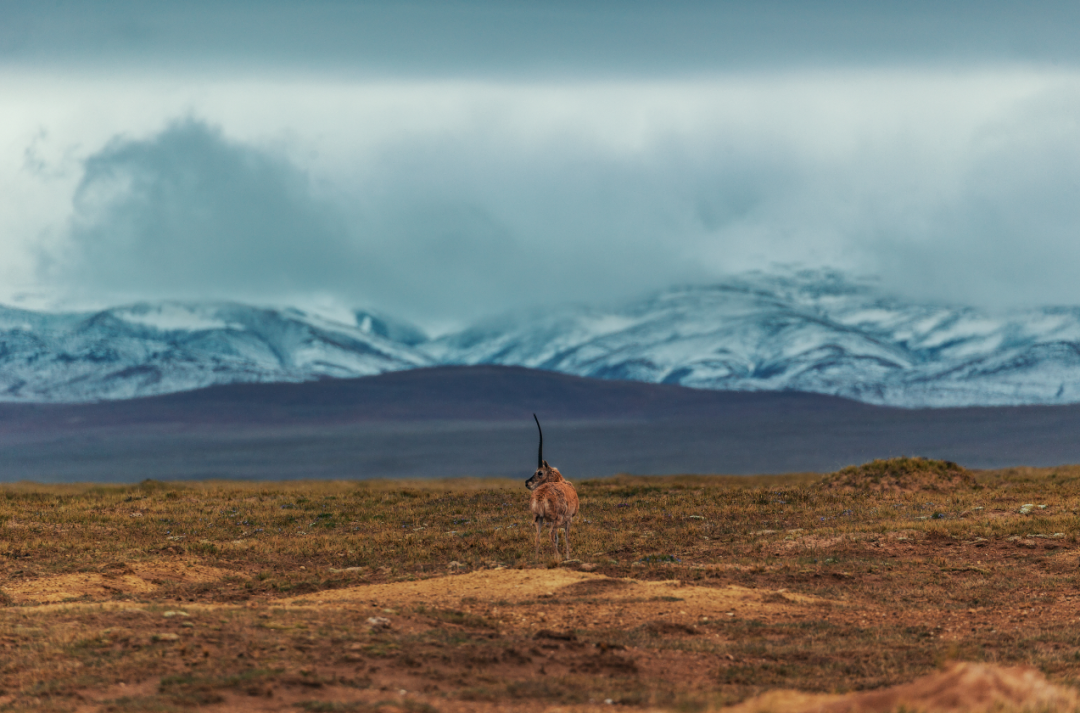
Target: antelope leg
(539, 526)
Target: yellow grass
(788, 584)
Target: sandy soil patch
(483, 585)
(584, 599)
(134, 578)
(963, 687)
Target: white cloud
(443, 200)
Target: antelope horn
(540, 454)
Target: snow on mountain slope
(148, 349)
(808, 331)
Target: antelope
(553, 500)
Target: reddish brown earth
(694, 594)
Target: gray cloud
(441, 230)
(448, 226)
(189, 213)
(522, 194)
(470, 225)
(492, 38)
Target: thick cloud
(447, 159)
(465, 200)
(444, 159)
(440, 230)
(563, 38)
(190, 214)
(1005, 230)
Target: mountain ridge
(810, 331)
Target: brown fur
(554, 501)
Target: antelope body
(553, 500)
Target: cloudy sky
(446, 160)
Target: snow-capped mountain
(808, 331)
(148, 349)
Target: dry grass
(855, 590)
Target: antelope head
(544, 472)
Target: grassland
(692, 592)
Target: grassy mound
(900, 475)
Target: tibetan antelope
(553, 500)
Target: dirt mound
(900, 475)
(483, 585)
(962, 688)
(140, 578)
(581, 600)
(514, 585)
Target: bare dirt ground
(691, 594)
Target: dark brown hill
(451, 421)
(453, 393)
